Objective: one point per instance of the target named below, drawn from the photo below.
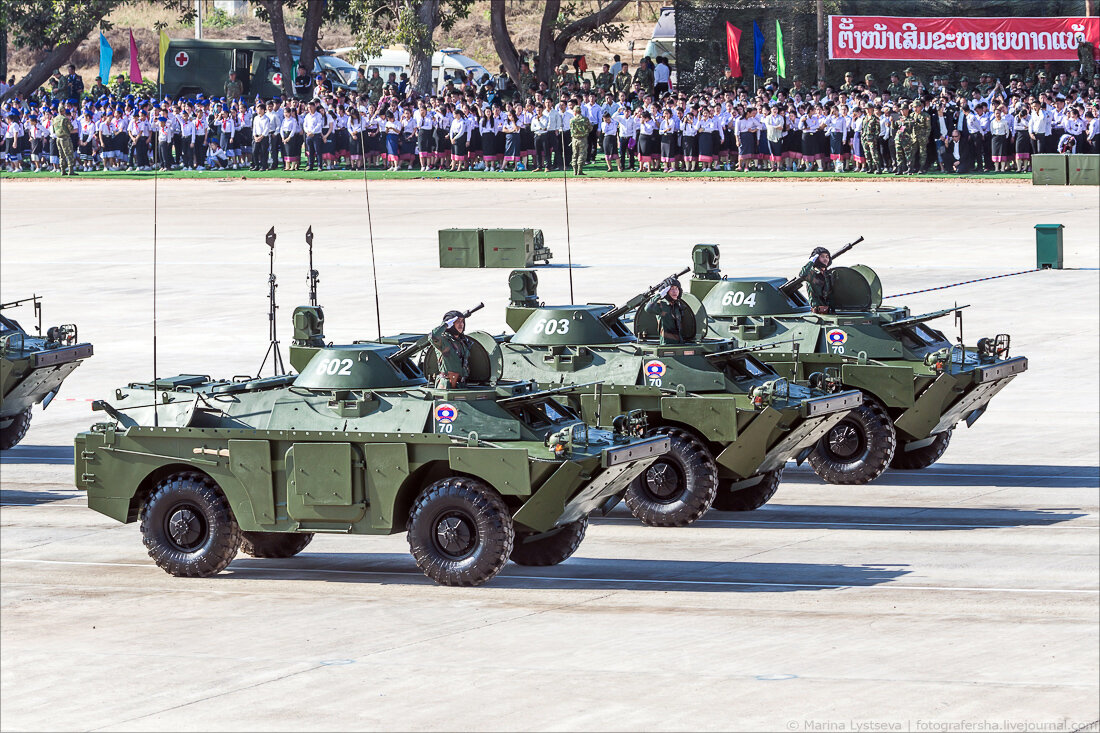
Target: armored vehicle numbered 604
(731, 421)
(358, 443)
(32, 368)
(917, 386)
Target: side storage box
(1048, 170)
(1084, 169)
(460, 248)
(508, 247)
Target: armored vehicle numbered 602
(358, 443)
(917, 386)
(32, 368)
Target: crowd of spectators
(638, 121)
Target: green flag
(780, 57)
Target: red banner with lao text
(883, 38)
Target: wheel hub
(454, 535)
(663, 481)
(844, 440)
(185, 527)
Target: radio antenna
(156, 402)
(313, 275)
(370, 234)
(273, 339)
(568, 239)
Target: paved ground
(963, 594)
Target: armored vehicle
(32, 368)
(731, 421)
(358, 443)
(917, 385)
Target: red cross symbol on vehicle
(277, 80)
(182, 58)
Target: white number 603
(552, 326)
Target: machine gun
(791, 286)
(422, 343)
(618, 312)
(529, 396)
(729, 354)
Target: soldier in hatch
(815, 273)
(452, 350)
(672, 313)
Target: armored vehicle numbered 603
(358, 443)
(917, 385)
(731, 421)
(32, 368)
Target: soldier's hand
(821, 309)
(665, 287)
(450, 322)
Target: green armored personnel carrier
(32, 368)
(731, 421)
(917, 385)
(358, 443)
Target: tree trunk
(314, 16)
(552, 49)
(41, 71)
(282, 45)
(502, 42)
(548, 61)
(420, 54)
(820, 39)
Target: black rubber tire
(479, 521)
(914, 460)
(692, 467)
(12, 434)
(195, 501)
(553, 548)
(874, 433)
(274, 544)
(745, 500)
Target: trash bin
(1048, 170)
(1083, 169)
(1048, 246)
(460, 248)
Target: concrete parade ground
(966, 594)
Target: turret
(369, 366)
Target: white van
(448, 64)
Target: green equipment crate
(513, 247)
(1048, 170)
(460, 248)
(1048, 246)
(1084, 169)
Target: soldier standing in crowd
(62, 129)
(73, 84)
(99, 89)
(905, 143)
(912, 85)
(579, 127)
(1086, 57)
(922, 128)
(869, 84)
(849, 85)
(815, 274)
(526, 79)
(672, 314)
(894, 87)
(122, 85)
(452, 350)
(233, 87)
(362, 85)
(623, 80)
(604, 79)
(872, 129)
(374, 85)
(643, 77)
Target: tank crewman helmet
(450, 317)
(818, 251)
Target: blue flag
(106, 56)
(757, 49)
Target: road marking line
(816, 586)
(867, 524)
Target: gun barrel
(847, 247)
(637, 300)
(473, 310)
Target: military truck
(357, 443)
(917, 385)
(32, 368)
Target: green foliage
(49, 23)
(606, 33)
(384, 23)
(218, 18)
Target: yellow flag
(163, 53)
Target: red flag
(582, 63)
(733, 37)
(135, 71)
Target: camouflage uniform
(1086, 57)
(362, 85)
(644, 77)
(526, 81)
(99, 89)
(671, 317)
(912, 86)
(848, 86)
(374, 86)
(579, 127)
(818, 285)
(905, 143)
(452, 351)
(922, 128)
(62, 129)
(868, 138)
(604, 81)
(233, 89)
(895, 88)
(623, 82)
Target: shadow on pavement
(582, 573)
(17, 497)
(58, 455)
(975, 474)
(885, 517)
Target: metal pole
(198, 19)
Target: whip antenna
(370, 234)
(156, 411)
(568, 239)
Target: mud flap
(610, 482)
(974, 401)
(805, 436)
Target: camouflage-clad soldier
(894, 87)
(623, 80)
(99, 89)
(912, 85)
(374, 85)
(564, 76)
(452, 350)
(905, 142)
(819, 286)
(672, 314)
(233, 88)
(868, 138)
(644, 77)
(985, 84)
(849, 84)
(121, 86)
(729, 82)
(922, 128)
(604, 79)
(579, 127)
(1041, 85)
(362, 84)
(62, 130)
(526, 81)
(869, 84)
(1086, 57)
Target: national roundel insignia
(836, 337)
(445, 413)
(182, 58)
(654, 369)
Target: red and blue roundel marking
(836, 337)
(445, 413)
(654, 369)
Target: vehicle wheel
(460, 532)
(188, 527)
(678, 487)
(274, 544)
(858, 448)
(552, 548)
(913, 460)
(13, 433)
(745, 500)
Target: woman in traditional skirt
(457, 138)
(774, 127)
(705, 139)
(1092, 131)
(392, 130)
(490, 151)
(510, 129)
(473, 138)
(408, 139)
(792, 140)
(689, 141)
(328, 141)
(668, 132)
(821, 138)
(858, 158)
(646, 144)
(836, 126)
(443, 117)
(425, 135)
(291, 133)
(526, 137)
(355, 139)
(746, 139)
(1000, 132)
(340, 136)
(374, 131)
(609, 142)
(12, 134)
(1023, 138)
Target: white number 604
(739, 298)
